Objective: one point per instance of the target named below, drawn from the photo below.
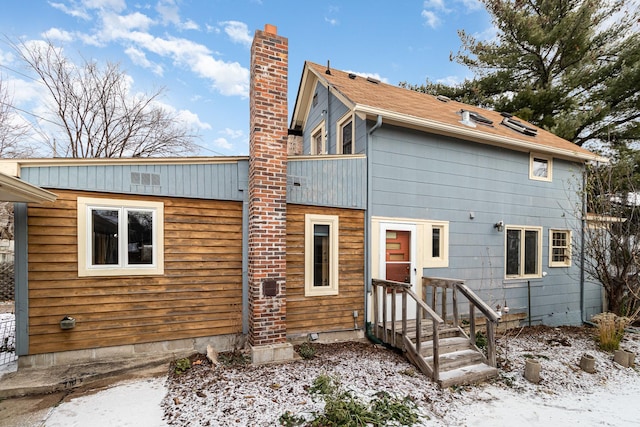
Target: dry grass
(610, 330)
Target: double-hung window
(345, 134)
(321, 255)
(523, 255)
(318, 145)
(120, 237)
(559, 248)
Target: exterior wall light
(499, 225)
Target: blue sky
(199, 49)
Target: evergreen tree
(569, 66)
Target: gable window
(559, 248)
(321, 255)
(523, 252)
(120, 237)
(540, 167)
(437, 247)
(345, 134)
(317, 140)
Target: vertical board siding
(201, 181)
(200, 293)
(339, 182)
(425, 176)
(325, 313)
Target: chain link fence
(7, 281)
(7, 338)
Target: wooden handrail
(432, 314)
(481, 305)
(421, 307)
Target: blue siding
(335, 182)
(331, 112)
(221, 181)
(425, 176)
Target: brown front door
(398, 256)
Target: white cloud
(435, 4)
(58, 34)
(471, 4)
(189, 25)
(6, 57)
(238, 32)
(232, 133)
(372, 75)
(192, 119)
(431, 19)
(170, 14)
(223, 143)
(331, 21)
(139, 58)
(77, 11)
(450, 80)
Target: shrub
(182, 365)
(306, 351)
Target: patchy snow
(245, 395)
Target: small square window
(540, 167)
(559, 248)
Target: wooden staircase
(440, 348)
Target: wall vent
(145, 178)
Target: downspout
(243, 179)
(367, 234)
(583, 223)
(21, 278)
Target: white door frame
(413, 229)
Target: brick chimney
(268, 197)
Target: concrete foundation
(272, 353)
(172, 349)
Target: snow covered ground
(259, 395)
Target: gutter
(478, 136)
(367, 232)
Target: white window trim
(443, 260)
(320, 128)
(332, 221)
(549, 161)
(567, 262)
(343, 120)
(85, 269)
(538, 273)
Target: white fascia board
(15, 190)
(477, 136)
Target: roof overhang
(469, 134)
(16, 190)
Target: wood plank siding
(200, 293)
(325, 313)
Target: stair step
(446, 345)
(467, 375)
(457, 359)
